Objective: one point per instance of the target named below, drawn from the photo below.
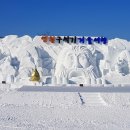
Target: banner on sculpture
(74, 39)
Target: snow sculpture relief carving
(64, 63)
(77, 64)
(123, 63)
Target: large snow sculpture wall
(65, 63)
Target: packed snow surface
(35, 110)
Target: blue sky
(109, 18)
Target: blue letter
(81, 40)
(98, 40)
(104, 40)
(90, 40)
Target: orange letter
(52, 39)
(44, 38)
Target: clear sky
(109, 18)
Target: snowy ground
(35, 110)
(73, 117)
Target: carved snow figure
(6, 67)
(123, 63)
(76, 64)
(97, 57)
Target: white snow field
(81, 87)
(42, 110)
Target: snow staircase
(92, 99)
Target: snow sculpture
(76, 64)
(6, 68)
(53, 80)
(64, 63)
(123, 63)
